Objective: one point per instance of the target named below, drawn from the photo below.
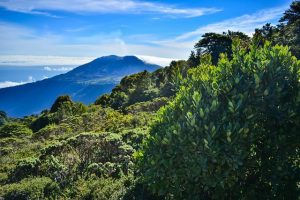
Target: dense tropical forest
(224, 124)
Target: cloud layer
(103, 6)
(28, 60)
(24, 60)
(5, 84)
(58, 69)
(10, 84)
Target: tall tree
(292, 15)
(215, 44)
(266, 33)
(193, 60)
(289, 33)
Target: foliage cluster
(232, 132)
(3, 118)
(83, 153)
(145, 86)
(14, 130)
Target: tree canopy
(214, 44)
(289, 29)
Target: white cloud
(29, 60)
(30, 79)
(15, 41)
(10, 84)
(245, 23)
(103, 6)
(58, 69)
(156, 60)
(5, 84)
(33, 12)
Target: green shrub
(3, 118)
(102, 154)
(62, 109)
(3, 177)
(96, 169)
(14, 129)
(43, 120)
(232, 132)
(52, 131)
(103, 100)
(135, 137)
(148, 106)
(53, 168)
(103, 189)
(60, 101)
(24, 168)
(118, 99)
(31, 188)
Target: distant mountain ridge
(84, 83)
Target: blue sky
(74, 31)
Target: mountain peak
(118, 58)
(109, 57)
(111, 65)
